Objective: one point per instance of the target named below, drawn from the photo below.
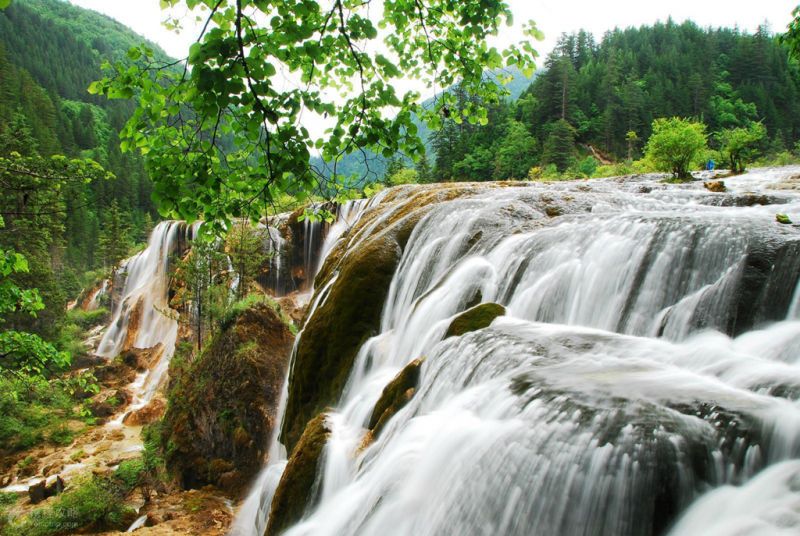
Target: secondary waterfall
(644, 380)
(142, 317)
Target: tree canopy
(225, 134)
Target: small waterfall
(142, 317)
(647, 367)
(97, 295)
(252, 516)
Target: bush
(675, 145)
(87, 319)
(96, 504)
(34, 411)
(587, 167)
(404, 176)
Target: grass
(96, 503)
(35, 411)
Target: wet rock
(44, 489)
(108, 402)
(552, 211)
(475, 318)
(351, 313)
(142, 359)
(395, 396)
(715, 186)
(297, 488)
(36, 492)
(153, 411)
(222, 405)
(115, 373)
(782, 218)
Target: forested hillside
(607, 95)
(50, 51)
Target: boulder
(476, 318)
(150, 413)
(141, 359)
(108, 402)
(394, 397)
(44, 489)
(296, 490)
(715, 186)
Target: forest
(427, 316)
(594, 103)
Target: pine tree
(423, 168)
(559, 149)
(114, 237)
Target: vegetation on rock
(221, 403)
(476, 318)
(297, 488)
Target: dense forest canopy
(50, 51)
(607, 94)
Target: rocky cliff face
(222, 403)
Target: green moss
(782, 218)
(332, 337)
(395, 396)
(475, 318)
(351, 313)
(92, 505)
(296, 490)
(227, 393)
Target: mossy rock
(296, 490)
(365, 262)
(222, 405)
(476, 318)
(395, 396)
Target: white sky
(552, 17)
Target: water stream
(645, 379)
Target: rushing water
(645, 378)
(142, 317)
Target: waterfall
(142, 317)
(647, 368)
(97, 294)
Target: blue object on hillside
(710, 165)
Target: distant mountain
(372, 166)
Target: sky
(553, 17)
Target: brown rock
(141, 359)
(153, 411)
(295, 492)
(108, 402)
(715, 186)
(36, 492)
(222, 404)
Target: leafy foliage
(675, 144)
(609, 92)
(740, 145)
(223, 138)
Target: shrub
(675, 145)
(96, 503)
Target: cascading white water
(144, 306)
(649, 356)
(97, 295)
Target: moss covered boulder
(476, 318)
(222, 404)
(296, 491)
(394, 397)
